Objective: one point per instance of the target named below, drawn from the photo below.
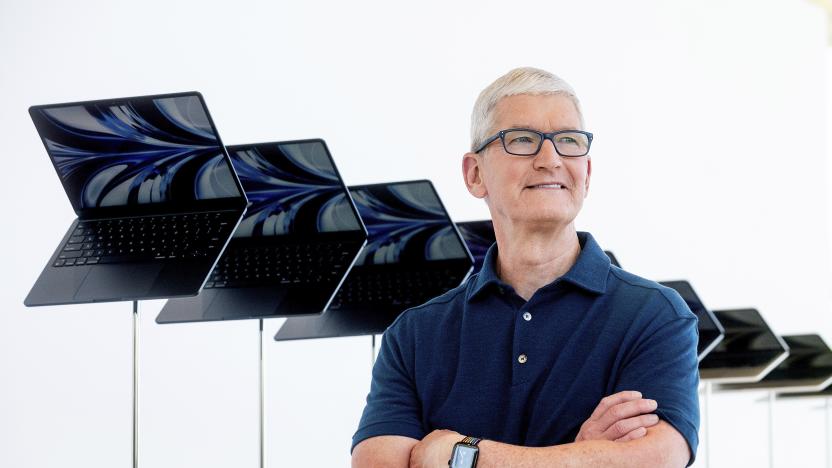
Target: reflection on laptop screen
(139, 151)
(406, 224)
(292, 188)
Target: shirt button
(522, 359)
(527, 316)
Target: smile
(547, 186)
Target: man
(517, 359)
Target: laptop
(479, 237)
(747, 353)
(294, 247)
(414, 253)
(808, 368)
(154, 192)
(710, 330)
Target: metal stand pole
(771, 429)
(373, 352)
(135, 384)
(828, 421)
(262, 403)
(706, 427)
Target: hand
(434, 450)
(620, 417)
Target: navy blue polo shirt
(482, 361)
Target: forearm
(650, 451)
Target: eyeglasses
(527, 142)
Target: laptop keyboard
(147, 238)
(399, 288)
(320, 262)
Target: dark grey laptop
(299, 238)
(710, 330)
(749, 351)
(414, 253)
(808, 368)
(479, 237)
(154, 192)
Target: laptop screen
(479, 237)
(292, 188)
(136, 151)
(406, 223)
(709, 329)
(748, 340)
(809, 358)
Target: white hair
(525, 80)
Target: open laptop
(154, 192)
(808, 368)
(414, 253)
(749, 351)
(710, 330)
(299, 238)
(479, 237)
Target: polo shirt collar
(589, 271)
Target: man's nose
(548, 156)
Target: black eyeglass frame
(543, 137)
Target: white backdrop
(709, 164)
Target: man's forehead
(540, 112)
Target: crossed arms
(621, 432)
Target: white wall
(709, 164)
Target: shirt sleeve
(663, 366)
(393, 407)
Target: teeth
(548, 186)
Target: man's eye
(567, 140)
(521, 140)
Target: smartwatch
(465, 453)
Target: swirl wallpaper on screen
(405, 223)
(291, 188)
(137, 152)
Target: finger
(625, 426)
(612, 400)
(637, 433)
(625, 410)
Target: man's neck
(530, 258)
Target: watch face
(463, 456)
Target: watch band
(471, 441)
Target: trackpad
(236, 303)
(115, 282)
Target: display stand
(373, 352)
(828, 421)
(771, 397)
(135, 384)
(262, 402)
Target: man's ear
(472, 173)
(588, 174)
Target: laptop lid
(807, 369)
(479, 237)
(138, 155)
(294, 192)
(749, 350)
(710, 330)
(407, 226)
